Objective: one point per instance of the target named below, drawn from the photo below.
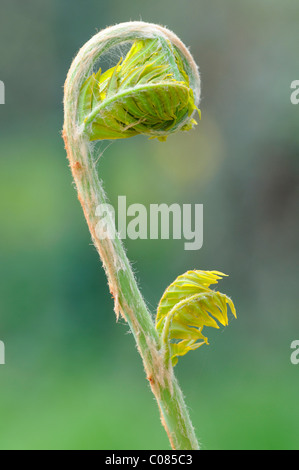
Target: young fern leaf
(186, 307)
(146, 93)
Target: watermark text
(2, 353)
(295, 94)
(295, 353)
(2, 93)
(161, 221)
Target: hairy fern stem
(128, 300)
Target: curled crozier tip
(153, 90)
(186, 307)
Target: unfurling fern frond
(186, 307)
(154, 91)
(147, 93)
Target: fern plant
(154, 91)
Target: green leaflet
(186, 307)
(146, 93)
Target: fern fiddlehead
(155, 91)
(186, 307)
(143, 94)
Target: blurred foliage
(73, 378)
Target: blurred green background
(73, 378)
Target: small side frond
(186, 307)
